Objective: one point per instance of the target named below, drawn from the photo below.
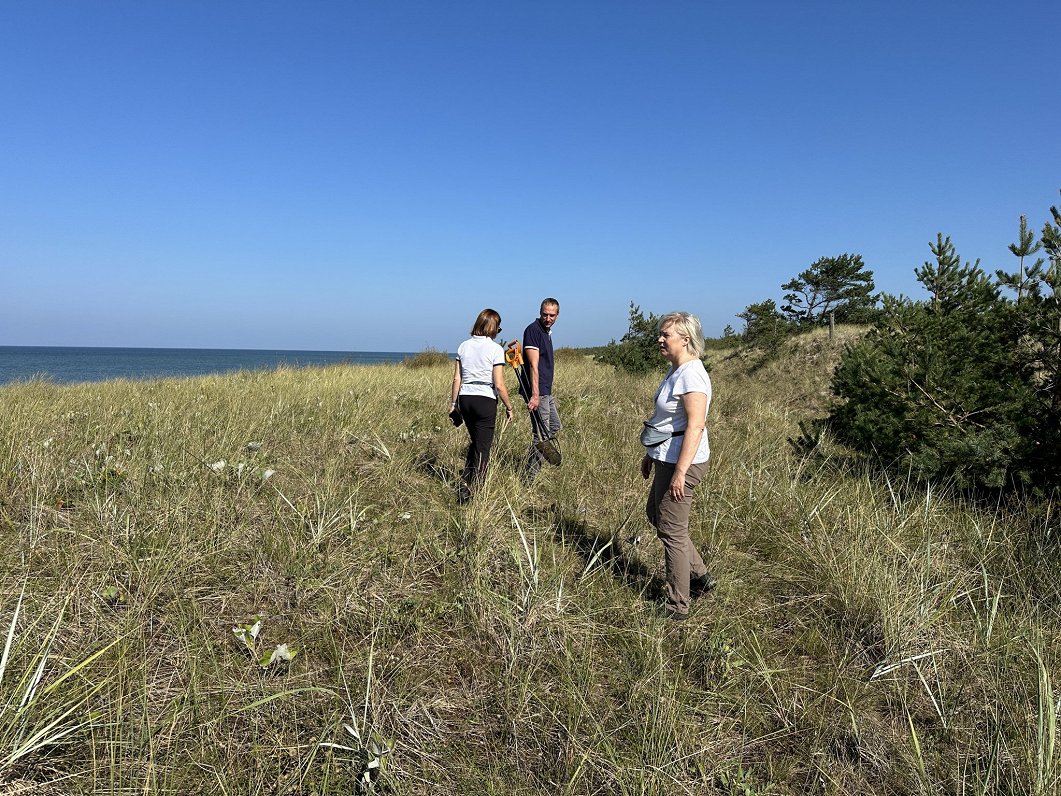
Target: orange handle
(514, 354)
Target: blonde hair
(687, 325)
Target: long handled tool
(545, 443)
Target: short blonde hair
(687, 325)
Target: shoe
(674, 616)
(700, 586)
(463, 494)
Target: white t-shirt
(670, 412)
(477, 356)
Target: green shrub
(638, 351)
(568, 354)
(428, 358)
(953, 387)
(765, 330)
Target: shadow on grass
(428, 463)
(609, 550)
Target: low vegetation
(638, 350)
(428, 358)
(261, 583)
(961, 387)
(964, 385)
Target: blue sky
(369, 175)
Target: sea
(71, 365)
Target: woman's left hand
(646, 466)
(677, 486)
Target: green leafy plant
(367, 748)
(112, 595)
(742, 782)
(247, 636)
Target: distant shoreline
(4, 348)
(85, 364)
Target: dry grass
(866, 637)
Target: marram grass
(866, 637)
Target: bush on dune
(964, 385)
(428, 358)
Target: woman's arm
(502, 390)
(695, 406)
(455, 390)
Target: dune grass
(866, 637)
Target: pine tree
(638, 351)
(1023, 248)
(934, 388)
(950, 283)
(1050, 320)
(841, 286)
(965, 385)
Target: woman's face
(671, 344)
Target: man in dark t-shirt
(538, 350)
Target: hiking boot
(700, 586)
(675, 616)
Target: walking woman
(676, 456)
(478, 382)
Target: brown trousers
(670, 518)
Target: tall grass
(866, 636)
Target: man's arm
(532, 369)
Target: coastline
(77, 365)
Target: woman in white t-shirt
(478, 382)
(676, 456)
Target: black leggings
(480, 417)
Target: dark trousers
(480, 418)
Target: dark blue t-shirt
(534, 336)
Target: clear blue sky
(369, 175)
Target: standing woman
(478, 382)
(676, 456)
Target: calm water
(67, 365)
